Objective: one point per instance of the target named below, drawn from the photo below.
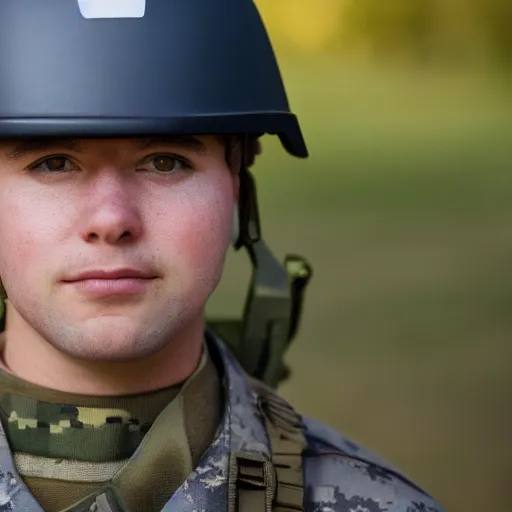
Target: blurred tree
(421, 31)
(304, 25)
(496, 17)
(393, 27)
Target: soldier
(126, 132)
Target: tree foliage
(420, 30)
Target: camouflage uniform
(339, 476)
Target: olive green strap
(105, 499)
(271, 317)
(257, 484)
(252, 483)
(166, 441)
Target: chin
(111, 341)
(109, 350)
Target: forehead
(15, 149)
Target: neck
(29, 357)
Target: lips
(103, 283)
(122, 273)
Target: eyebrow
(185, 141)
(37, 145)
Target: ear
(243, 153)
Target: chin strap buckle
(274, 302)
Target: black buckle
(300, 273)
(252, 479)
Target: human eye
(52, 164)
(165, 164)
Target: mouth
(103, 283)
(121, 273)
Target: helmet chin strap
(274, 300)
(235, 233)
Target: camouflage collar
(206, 488)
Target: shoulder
(342, 476)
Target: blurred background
(405, 211)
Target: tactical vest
(257, 484)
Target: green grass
(405, 211)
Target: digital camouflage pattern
(61, 431)
(53, 424)
(340, 476)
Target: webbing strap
(252, 484)
(257, 484)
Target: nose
(111, 215)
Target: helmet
(131, 68)
(140, 67)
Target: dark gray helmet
(140, 67)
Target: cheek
(200, 223)
(28, 234)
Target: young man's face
(110, 248)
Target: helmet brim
(285, 125)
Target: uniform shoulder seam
(335, 450)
